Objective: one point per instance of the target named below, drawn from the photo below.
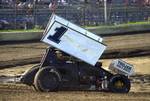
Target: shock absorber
(104, 84)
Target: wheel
(28, 76)
(47, 79)
(119, 84)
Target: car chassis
(58, 70)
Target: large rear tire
(47, 79)
(119, 84)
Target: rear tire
(119, 84)
(47, 79)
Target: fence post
(105, 11)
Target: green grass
(119, 25)
(120, 28)
(19, 30)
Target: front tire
(119, 84)
(47, 79)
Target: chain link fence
(37, 15)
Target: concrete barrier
(102, 31)
(20, 36)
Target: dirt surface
(141, 66)
(25, 53)
(19, 92)
(140, 86)
(128, 42)
(21, 51)
(29, 54)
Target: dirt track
(120, 46)
(24, 93)
(140, 90)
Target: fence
(87, 15)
